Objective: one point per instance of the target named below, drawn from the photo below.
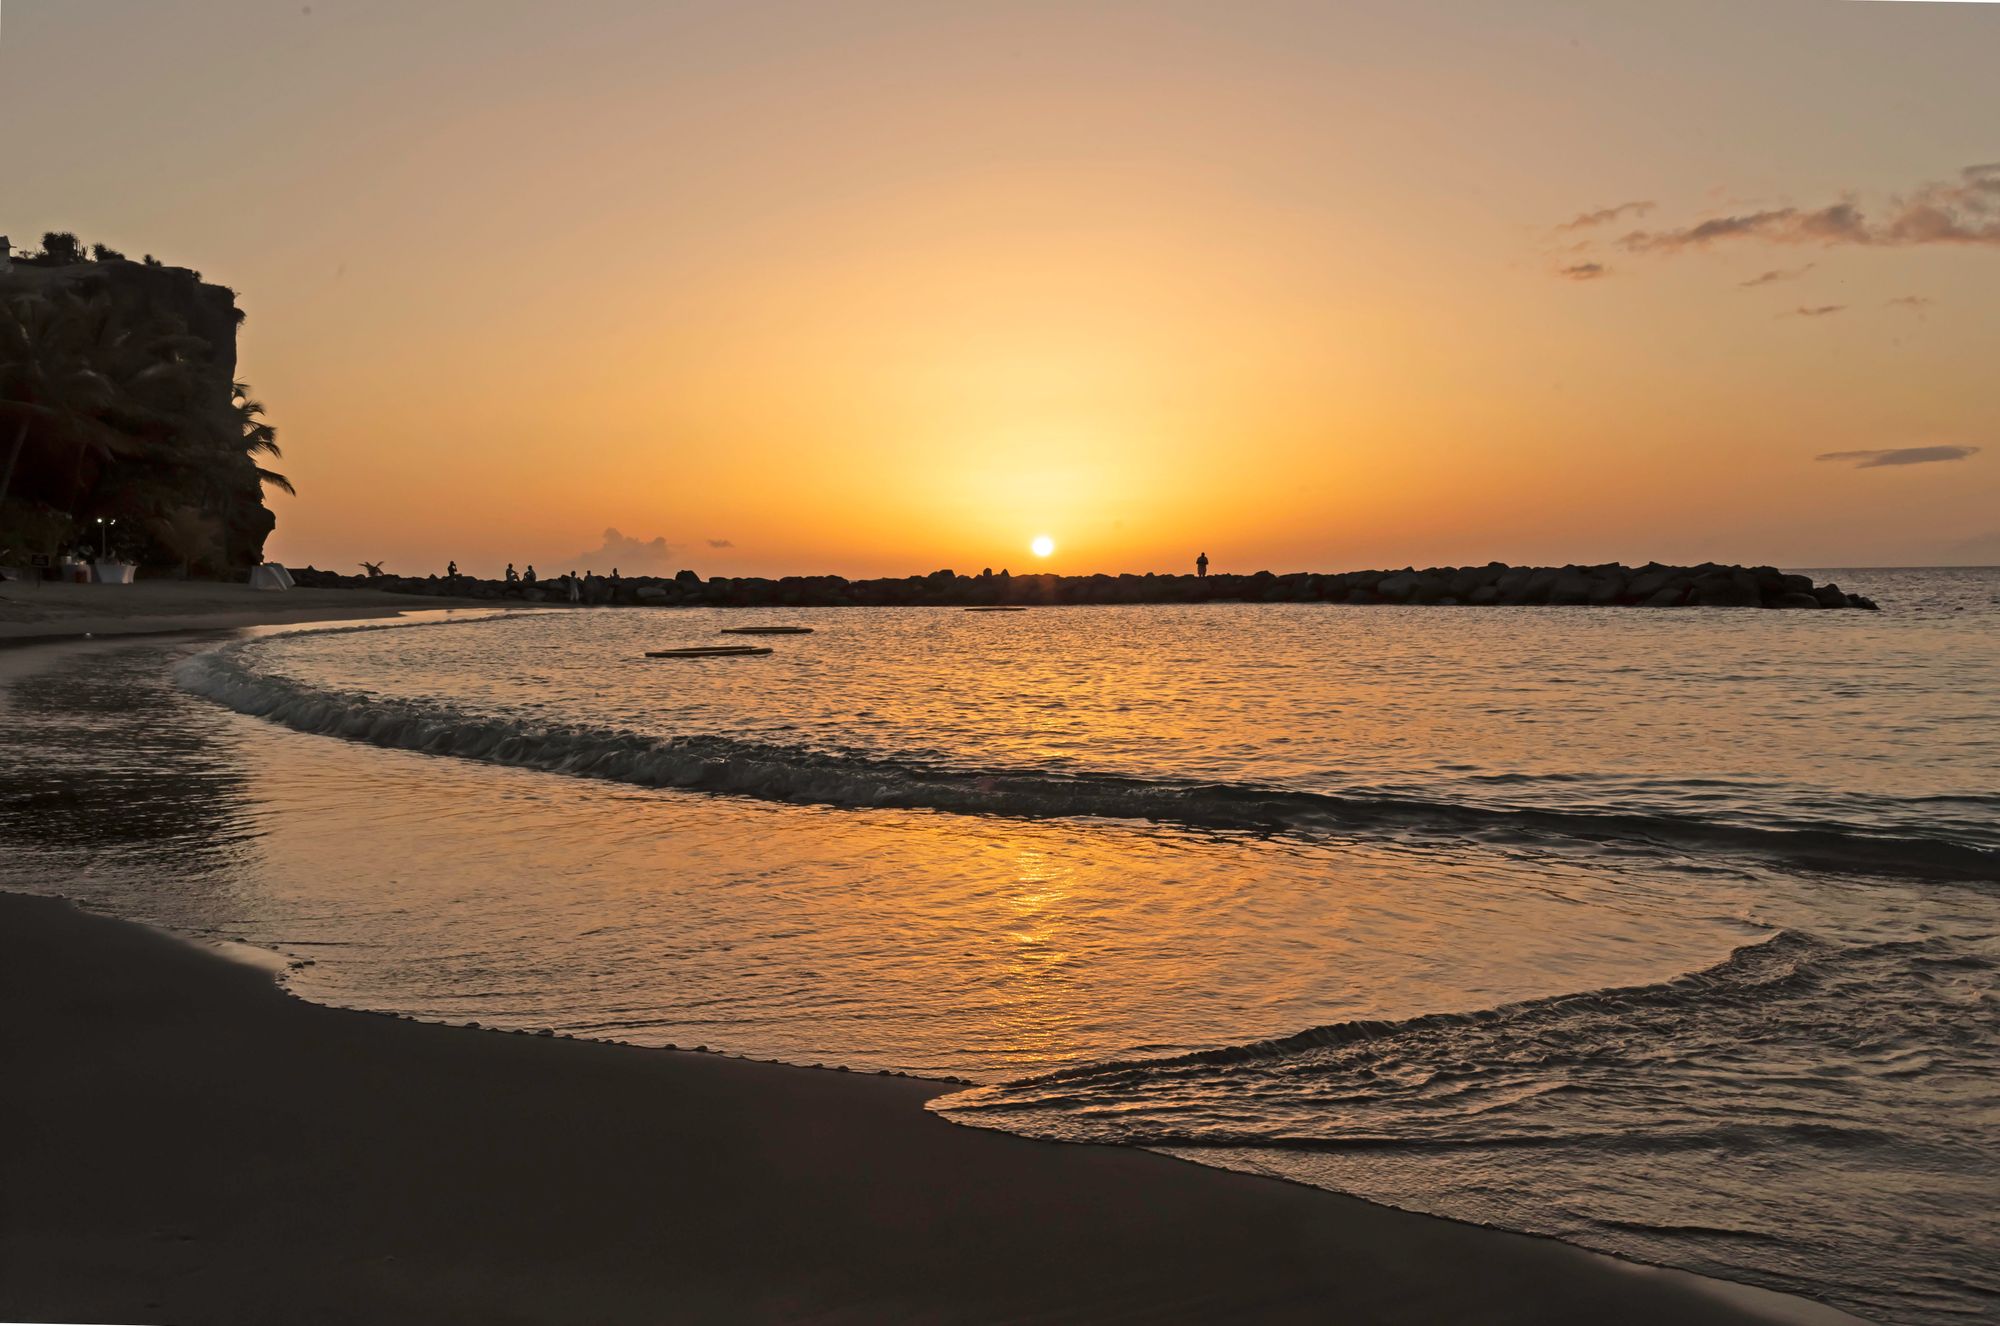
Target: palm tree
(258, 437)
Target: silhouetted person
(1201, 567)
(451, 569)
(575, 588)
(529, 578)
(513, 576)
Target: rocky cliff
(145, 477)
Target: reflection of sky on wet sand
(95, 777)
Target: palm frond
(276, 480)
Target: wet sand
(31, 611)
(185, 1142)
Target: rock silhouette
(1609, 585)
(119, 394)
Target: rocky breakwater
(1607, 585)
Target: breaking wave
(1807, 1115)
(720, 764)
(1752, 971)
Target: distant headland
(1495, 584)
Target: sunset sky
(877, 288)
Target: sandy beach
(190, 1144)
(36, 611)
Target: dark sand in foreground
(184, 1142)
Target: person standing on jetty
(1201, 567)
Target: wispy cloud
(1912, 301)
(1776, 275)
(1965, 210)
(1584, 271)
(1840, 223)
(1605, 215)
(1817, 311)
(1877, 459)
(720, 543)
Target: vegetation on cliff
(121, 421)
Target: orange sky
(879, 288)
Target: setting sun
(1042, 546)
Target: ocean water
(1671, 934)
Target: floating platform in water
(710, 651)
(1004, 608)
(766, 630)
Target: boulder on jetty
(1607, 585)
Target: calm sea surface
(1673, 934)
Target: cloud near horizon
(1584, 271)
(1885, 456)
(1961, 211)
(1604, 215)
(721, 543)
(1816, 311)
(631, 556)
